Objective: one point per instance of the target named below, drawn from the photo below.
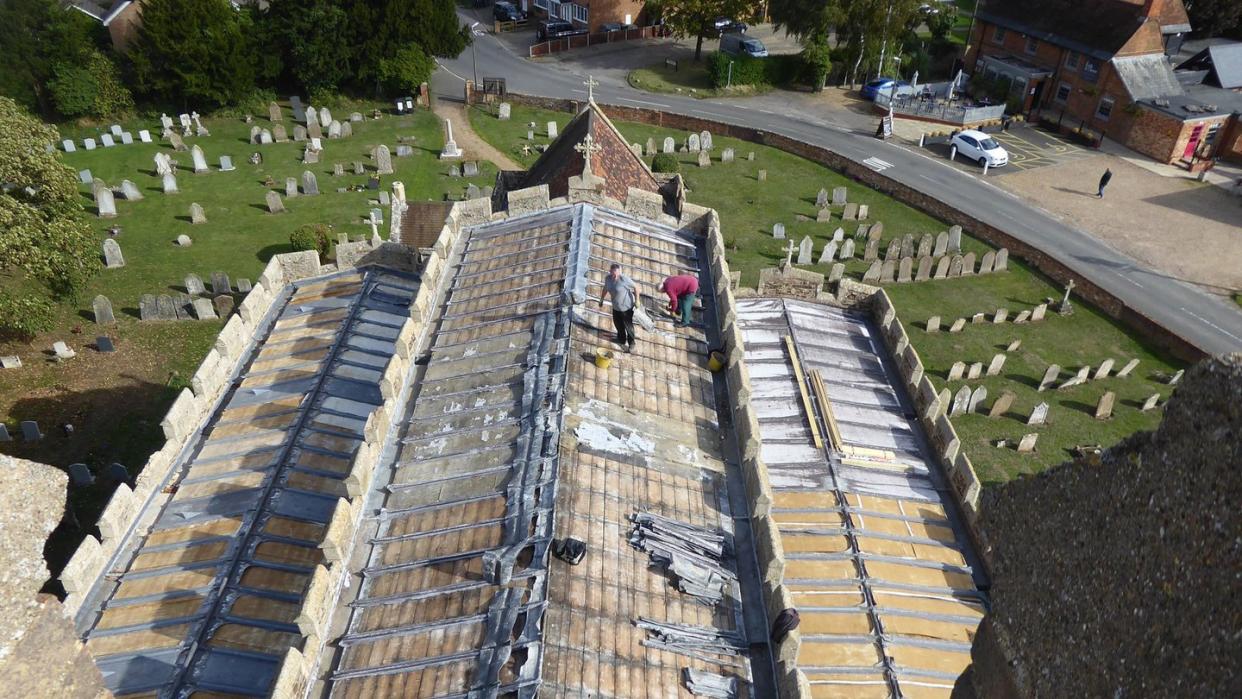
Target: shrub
(312, 236)
(665, 162)
(91, 89)
(25, 316)
(747, 70)
(816, 64)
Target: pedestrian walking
(624, 295)
(1108, 175)
(682, 290)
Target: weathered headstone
(924, 270)
(165, 307)
(503, 112)
(942, 268)
(1038, 312)
(726, 155)
(338, 169)
(823, 215)
(864, 211)
(762, 176)
(977, 397)
(177, 142)
(872, 251)
(470, 169)
(1013, 346)
(1129, 367)
(103, 310)
(778, 231)
(85, 177)
(88, 143)
(383, 160)
(904, 268)
(200, 159)
(1022, 318)
(146, 307)
(1002, 403)
(105, 202)
(847, 250)
(977, 318)
(907, 245)
(975, 371)
(194, 285)
(806, 251)
(926, 243)
(170, 183)
(705, 140)
(873, 272)
(310, 185)
(669, 145)
(334, 129)
(223, 304)
(10, 361)
(956, 371)
(957, 325)
(69, 145)
(1001, 262)
(1151, 402)
(112, 254)
(220, 283)
(828, 254)
(386, 200)
(995, 366)
(107, 140)
(836, 272)
(1104, 408)
(1027, 444)
(705, 159)
(551, 129)
(986, 262)
(197, 215)
(274, 204)
(955, 238)
(893, 252)
(839, 196)
(130, 191)
(692, 143)
(80, 475)
(955, 267)
(968, 264)
(243, 286)
(299, 133)
(1106, 367)
(942, 244)
(291, 187)
(888, 271)
(933, 324)
(850, 213)
(1039, 415)
(1001, 315)
(821, 199)
(961, 401)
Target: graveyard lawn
(238, 238)
(748, 208)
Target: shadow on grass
(1079, 406)
(270, 251)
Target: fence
(944, 110)
(579, 41)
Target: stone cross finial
(789, 251)
(586, 148)
(1068, 288)
(591, 84)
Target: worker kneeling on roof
(682, 291)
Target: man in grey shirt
(624, 296)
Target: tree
(1211, 18)
(871, 30)
(695, 17)
(35, 36)
(45, 234)
(90, 89)
(406, 71)
(193, 52)
(308, 39)
(380, 29)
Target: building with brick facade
(1102, 68)
(588, 14)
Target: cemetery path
(474, 147)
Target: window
(1091, 69)
(1063, 92)
(1071, 60)
(998, 35)
(1105, 109)
(579, 13)
(1032, 44)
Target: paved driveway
(1028, 148)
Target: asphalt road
(1212, 324)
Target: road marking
(1209, 323)
(877, 164)
(446, 70)
(654, 104)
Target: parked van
(742, 45)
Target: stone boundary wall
(791, 682)
(1044, 261)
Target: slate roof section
(1097, 28)
(207, 599)
(513, 437)
(1147, 77)
(1223, 63)
(875, 557)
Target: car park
(979, 147)
(887, 87)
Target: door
(1195, 134)
(1036, 94)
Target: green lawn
(689, 78)
(748, 208)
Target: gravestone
(105, 201)
(255, 132)
(165, 307)
(347, 129)
(85, 177)
(942, 244)
(10, 361)
(839, 196)
(806, 251)
(334, 129)
(383, 160)
(726, 155)
(961, 401)
(778, 231)
(1002, 404)
(1022, 318)
(823, 215)
(279, 134)
(551, 129)
(107, 141)
(454, 171)
(875, 231)
(200, 160)
(986, 262)
(472, 192)
(942, 268)
(310, 185)
(130, 191)
(116, 129)
(957, 325)
(204, 310)
(69, 145)
(1151, 402)
(103, 311)
(863, 211)
(291, 187)
(995, 366)
(244, 286)
(872, 251)
(705, 140)
(836, 272)
(177, 142)
(355, 116)
(924, 270)
(127, 138)
(470, 169)
(692, 143)
(273, 112)
(144, 136)
(933, 324)
(975, 370)
(850, 213)
(977, 397)
(325, 116)
(828, 254)
(503, 112)
(299, 133)
(968, 264)
(194, 285)
(1039, 415)
(359, 168)
(888, 271)
(669, 145)
(838, 235)
(386, 200)
(338, 170)
(873, 272)
(1106, 367)
(904, 269)
(893, 252)
(907, 245)
(1078, 379)
(1104, 409)
(762, 176)
(1001, 263)
(146, 307)
(274, 204)
(220, 283)
(955, 267)
(312, 115)
(955, 238)
(1027, 444)
(957, 370)
(1038, 313)
(925, 245)
(847, 250)
(705, 159)
(197, 215)
(1129, 367)
(113, 258)
(1013, 346)
(223, 304)
(170, 183)
(88, 143)
(1001, 315)
(977, 318)
(80, 475)
(314, 131)
(650, 147)
(821, 199)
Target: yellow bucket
(716, 360)
(603, 358)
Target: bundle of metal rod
(693, 555)
(688, 639)
(709, 684)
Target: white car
(980, 147)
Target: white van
(742, 45)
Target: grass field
(689, 78)
(748, 208)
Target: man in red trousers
(682, 291)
